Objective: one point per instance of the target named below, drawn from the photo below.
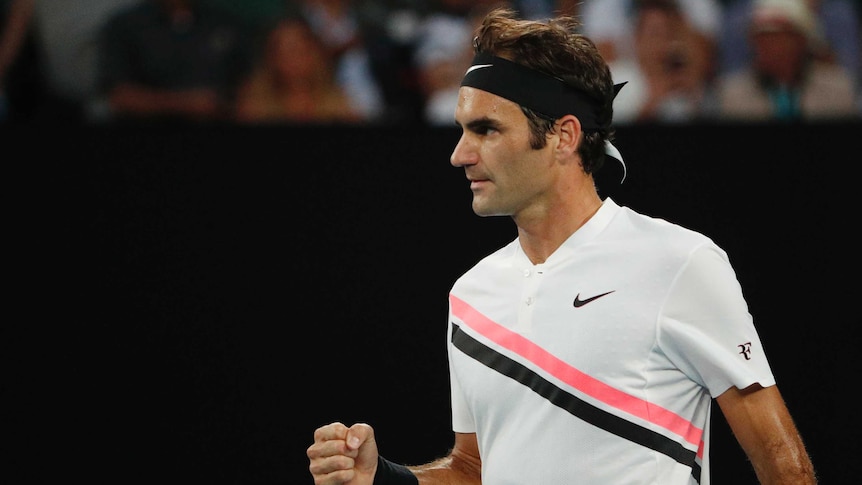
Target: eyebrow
(480, 123)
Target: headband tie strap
(544, 94)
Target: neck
(543, 234)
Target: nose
(464, 153)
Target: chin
(480, 210)
(486, 211)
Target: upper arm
(761, 423)
(466, 453)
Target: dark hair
(554, 48)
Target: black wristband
(389, 473)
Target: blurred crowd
(401, 61)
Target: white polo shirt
(599, 366)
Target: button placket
(528, 297)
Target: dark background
(188, 303)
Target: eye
(485, 129)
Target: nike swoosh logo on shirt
(579, 303)
(477, 66)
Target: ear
(569, 132)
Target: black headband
(527, 87)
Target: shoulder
(739, 93)
(645, 241)
(654, 227)
(830, 76)
(830, 91)
(500, 258)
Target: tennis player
(588, 350)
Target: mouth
(476, 184)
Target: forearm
(762, 425)
(787, 463)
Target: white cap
(783, 15)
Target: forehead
(475, 103)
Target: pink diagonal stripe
(575, 378)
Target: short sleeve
(705, 327)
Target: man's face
(506, 175)
(780, 53)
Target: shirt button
(529, 300)
(527, 273)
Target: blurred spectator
(19, 74)
(173, 59)
(569, 7)
(67, 33)
(336, 23)
(64, 37)
(785, 80)
(534, 9)
(609, 24)
(294, 81)
(389, 29)
(393, 31)
(668, 77)
(257, 14)
(839, 28)
(443, 52)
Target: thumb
(360, 437)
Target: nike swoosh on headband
(478, 66)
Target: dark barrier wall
(189, 303)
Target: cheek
(506, 155)
(523, 169)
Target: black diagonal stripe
(572, 404)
